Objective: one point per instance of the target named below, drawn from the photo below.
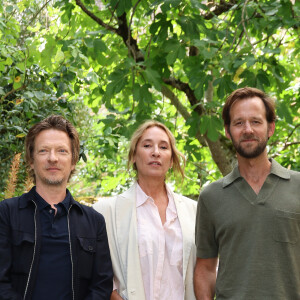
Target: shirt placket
(161, 256)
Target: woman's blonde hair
(176, 154)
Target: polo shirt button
(132, 292)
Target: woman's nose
(156, 151)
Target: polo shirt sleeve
(206, 243)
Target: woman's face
(153, 155)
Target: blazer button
(91, 248)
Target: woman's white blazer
(121, 224)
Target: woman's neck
(156, 189)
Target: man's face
(249, 129)
(52, 158)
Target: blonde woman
(150, 228)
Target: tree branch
(224, 6)
(13, 91)
(218, 152)
(37, 13)
(184, 87)
(123, 31)
(288, 144)
(95, 18)
(244, 26)
(218, 148)
(130, 22)
(175, 101)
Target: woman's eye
(146, 146)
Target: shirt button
(50, 211)
(90, 248)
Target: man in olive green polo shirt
(250, 219)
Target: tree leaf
(153, 77)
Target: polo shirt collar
(232, 176)
(41, 203)
(279, 170)
(276, 169)
(27, 198)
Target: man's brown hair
(52, 122)
(246, 93)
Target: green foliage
(127, 61)
(28, 93)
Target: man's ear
(271, 129)
(227, 132)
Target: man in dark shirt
(52, 247)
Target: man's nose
(52, 156)
(247, 127)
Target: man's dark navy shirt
(54, 277)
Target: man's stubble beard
(53, 182)
(259, 149)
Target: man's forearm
(205, 279)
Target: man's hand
(115, 296)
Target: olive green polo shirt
(257, 237)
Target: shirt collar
(142, 197)
(232, 176)
(279, 170)
(41, 203)
(276, 169)
(171, 205)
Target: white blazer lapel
(183, 216)
(126, 222)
